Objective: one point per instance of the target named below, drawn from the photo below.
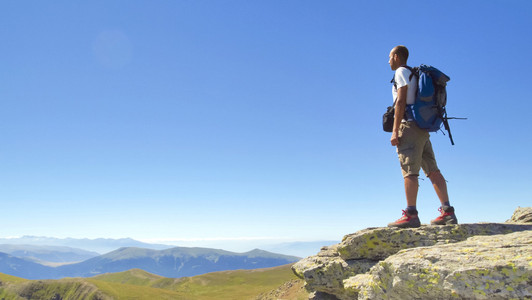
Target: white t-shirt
(402, 76)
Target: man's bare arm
(400, 106)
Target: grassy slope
(17, 288)
(7, 281)
(239, 284)
(138, 284)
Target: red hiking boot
(447, 216)
(406, 221)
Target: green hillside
(138, 284)
(17, 288)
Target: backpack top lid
(438, 76)
(431, 85)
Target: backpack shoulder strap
(413, 71)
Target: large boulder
(339, 271)
(379, 243)
(482, 267)
(325, 272)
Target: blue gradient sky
(249, 120)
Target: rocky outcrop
(467, 261)
(482, 267)
(521, 215)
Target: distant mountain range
(173, 262)
(99, 245)
(102, 246)
(34, 257)
(48, 255)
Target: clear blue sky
(249, 119)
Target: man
(413, 147)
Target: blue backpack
(431, 97)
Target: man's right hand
(395, 138)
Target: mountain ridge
(172, 262)
(47, 254)
(106, 245)
(99, 245)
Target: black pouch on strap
(388, 118)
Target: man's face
(394, 61)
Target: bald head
(402, 53)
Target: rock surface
(384, 263)
(482, 267)
(521, 215)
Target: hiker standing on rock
(413, 146)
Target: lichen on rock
(379, 243)
(466, 261)
(326, 271)
(482, 267)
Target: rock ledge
(466, 261)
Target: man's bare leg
(409, 218)
(447, 211)
(411, 189)
(440, 186)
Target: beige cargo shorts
(415, 150)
